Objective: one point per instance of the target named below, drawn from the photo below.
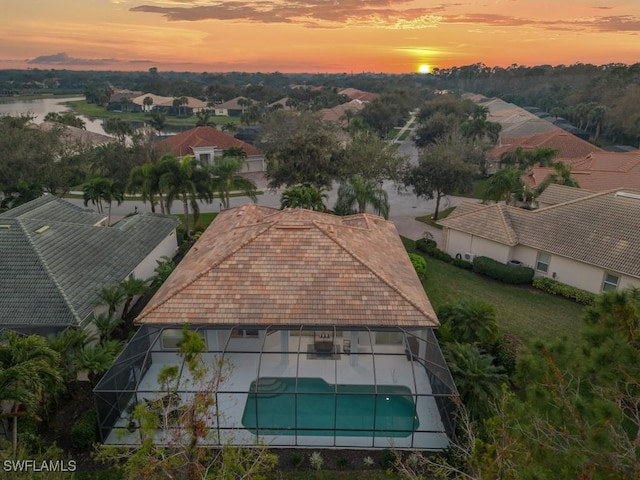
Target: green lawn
(526, 312)
(81, 107)
(204, 219)
(428, 219)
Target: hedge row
(503, 273)
(556, 288)
(430, 247)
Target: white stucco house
(587, 240)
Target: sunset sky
(314, 36)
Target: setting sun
(424, 68)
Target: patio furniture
(323, 341)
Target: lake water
(39, 108)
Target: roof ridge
(50, 274)
(576, 200)
(511, 233)
(363, 263)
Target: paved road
(404, 205)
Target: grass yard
(428, 219)
(204, 219)
(526, 312)
(81, 107)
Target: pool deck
(389, 366)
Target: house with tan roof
(597, 171)
(584, 239)
(207, 144)
(326, 325)
(355, 94)
(568, 145)
(231, 108)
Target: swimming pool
(275, 407)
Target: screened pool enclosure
(292, 386)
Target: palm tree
(304, 196)
(358, 193)
(100, 188)
(29, 369)
(147, 102)
(479, 381)
(95, 360)
(158, 121)
(106, 325)
(204, 119)
(226, 177)
(131, 288)
(503, 185)
(230, 127)
(184, 179)
(470, 321)
(145, 180)
(112, 297)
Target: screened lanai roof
(257, 265)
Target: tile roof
(568, 145)
(597, 171)
(600, 229)
(182, 143)
(554, 194)
(51, 278)
(259, 265)
(355, 94)
(337, 113)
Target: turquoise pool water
(356, 410)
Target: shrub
(505, 352)
(296, 459)
(556, 288)
(342, 462)
(368, 461)
(387, 459)
(458, 262)
(424, 245)
(84, 432)
(316, 461)
(419, 264)
(503, 273)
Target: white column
(354, 348)
(284, 346)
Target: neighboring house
(355, 94)
(568, 145)
(76, 139)
(208, 143)
(583, 239)
(597, 171)
(327, 328)
(231, 108)
(340, 113)
(55, 256)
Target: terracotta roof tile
(258, 265)
(182, 143)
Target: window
(610, 282)
(171, 337)
(542, 265)
(389, 338)
(205, 158)
(244, 333)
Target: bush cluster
(503, 273)
(430, 247)
(84, 432)
(460, 263)
(419, 264)
(556, 288)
